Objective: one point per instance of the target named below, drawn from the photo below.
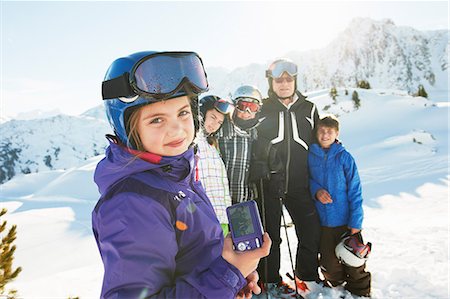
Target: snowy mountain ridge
(385, 55)
(57, 142)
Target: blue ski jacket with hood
(335, 171)
(157, 232)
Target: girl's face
(166, 128)
(326, 136)
(213, 121)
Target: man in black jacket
(287, 126)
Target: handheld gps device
(245, 225)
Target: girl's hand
(323, 196)
(245, 261)
(251, 287)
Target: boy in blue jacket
(336, 188)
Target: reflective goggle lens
(163, 74)
(278, 68)
(280, 80)
(223, 106)
(357, 248)
(159, 75)
(247, 106)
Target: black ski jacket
(290, 131)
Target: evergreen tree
(7, 274)
(363, 84)
(333, 93)
(421, 92)
(356, 100)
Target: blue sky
(54, 54)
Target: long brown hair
(134, 140)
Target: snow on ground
(409, 259)
(56, 262)
(400, 144)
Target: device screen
(241, 221)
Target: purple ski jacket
(157, 232)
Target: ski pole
(263, 210)
(288, 243)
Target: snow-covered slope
(400, 144)
(386, 55)
(57, 142)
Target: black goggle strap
(117, 87)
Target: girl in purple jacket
(155, 227)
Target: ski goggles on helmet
(277, 69)
(280, 80)
(158, 76)
(357, 248)
(223, 106)
(250, 107)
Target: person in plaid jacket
(235, 139)
(212, 171)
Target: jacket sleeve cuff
(355, 221)
(228, 274)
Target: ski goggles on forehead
(278, 68)
(250, 107)
(158, 76)
(223, 106)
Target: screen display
(241, 221)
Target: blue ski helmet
(147, 77)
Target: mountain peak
(367, 22)
(377, 51)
